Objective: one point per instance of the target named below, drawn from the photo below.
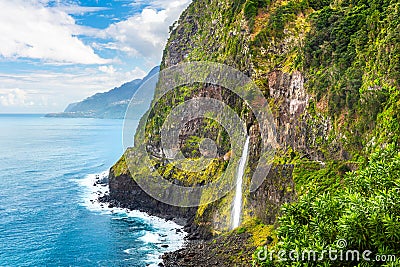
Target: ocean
(47, 170)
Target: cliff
(126, 193)
(330, 73)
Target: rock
(194, 236)
(124, 192)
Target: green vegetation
(251, 8)
(261, 234)
(348, 50)
(343, 54)
(349, 54)
(120, 168)
(364, 211)
(210, 174)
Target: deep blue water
(43, 221)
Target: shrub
(365, 212)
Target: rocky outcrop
(126, 193)
(217, 252)
(313, 97)
(278, 188)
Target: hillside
(108, 105)
(330, 72)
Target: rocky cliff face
(277, 188)
(300, 68)
(219, 32)
(222, 34)
(126, 193)
(330, 72)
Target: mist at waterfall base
(237, 201)
(48, 169)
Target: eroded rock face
(126, 193)
(296, 127)
(211, 38)
(290, 100)
(278, 188)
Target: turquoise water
(44, 217)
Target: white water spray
(237, 204)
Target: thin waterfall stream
(237, 201)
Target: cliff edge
(330, 73)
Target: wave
(149, 237)
(165, 236)
(93, 189)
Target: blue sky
(53, 53)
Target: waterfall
(237, 201)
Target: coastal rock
(217, 252)
(220, 32)
(126, 193)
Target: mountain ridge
(108, 105)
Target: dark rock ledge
(126, 193)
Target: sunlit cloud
(66, 59)
(145, 34)
(29, 30)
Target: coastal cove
(47, 217)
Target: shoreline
(186, 244)
(170, 235)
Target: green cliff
(331, 73)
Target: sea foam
(166, 237)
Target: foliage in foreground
(365, 212)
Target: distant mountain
(112, 104)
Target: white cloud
(75, 9)
(145, 34)
(107, 69)
(136, 73)
(30, 30)
(14, 97)
(46, 91)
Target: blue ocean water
(45, 169)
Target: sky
(53, 53)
